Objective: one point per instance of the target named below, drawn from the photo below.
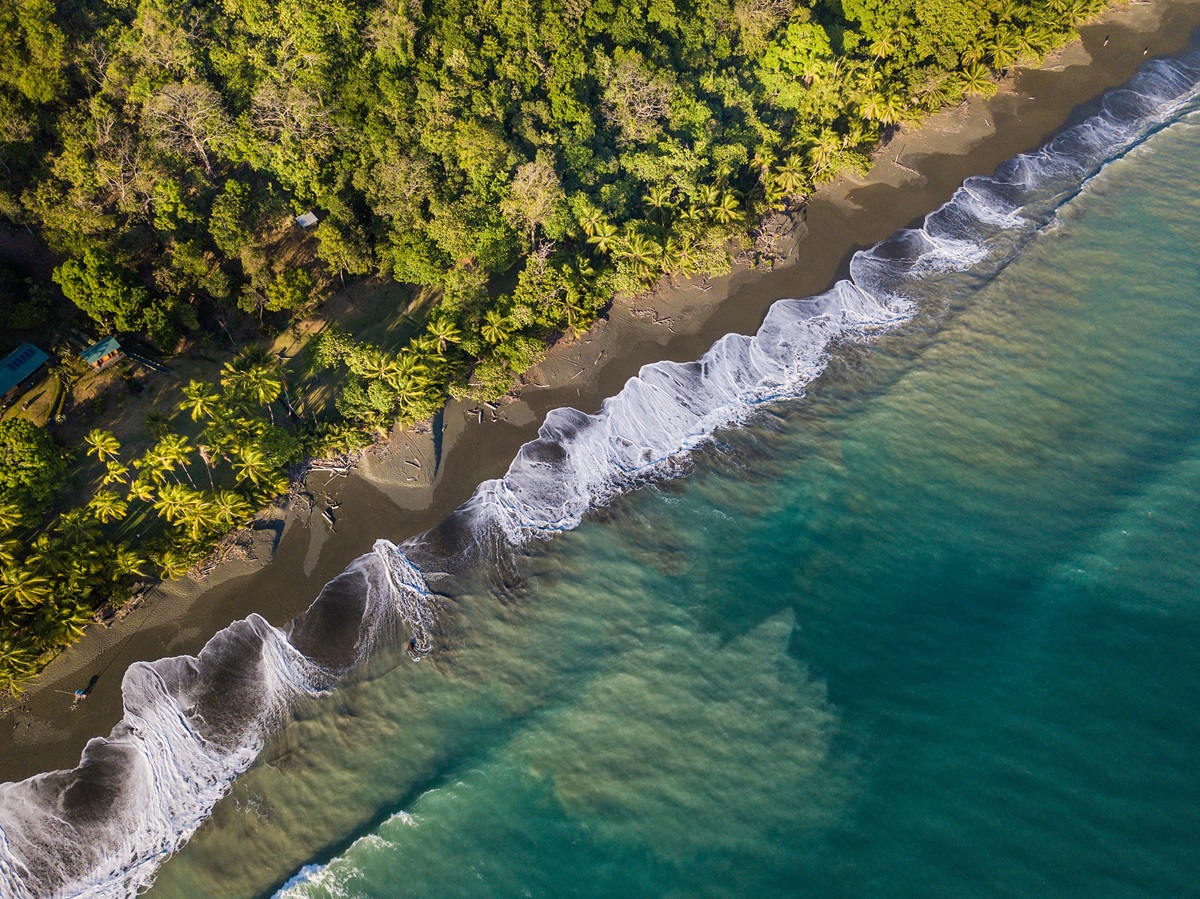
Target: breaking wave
(580, 461)
(193, 724)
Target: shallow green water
(931, 631)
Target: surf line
(192, 724)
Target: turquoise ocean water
(931, 630)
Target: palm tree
(115, 472)
(444, 331)
(231, 508)
(708, 195)
(868, 80)
(199, 516)
(685, 258)
(790, 175)
(726, 210)
(202, 400)
(274, 485)
(1036, 40)
(893, 110)
(154, 466)
(1005, 48)
(604, 236)
(871, 105)
(174, 563)
(976, 79)
(976, 53)
(638, 249)
(590, 218)
(885, 45)
(107, 506)
(64, 624)
(372, 364)
(826, 147)
(172, 500)
(10, 517)
(572, 312)
(22, 586)
(18, 661)
(103, 444)
(179, 505)
(251, 465)
(934, 94)
(495, 327)
(1011, 11)
(659, 199)
(78, 526)
(141, 490)
(263, 386)
(175, 450)
(407, 370)
(125, 562)
(8, 551)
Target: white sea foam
(581, 461)
(192, 724)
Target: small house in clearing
(100, 355)
(19, 370)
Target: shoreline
(389, 496)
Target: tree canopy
(573, 148)
(31, 466)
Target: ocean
(897, 598)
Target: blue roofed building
(19, 370)
(101, 355)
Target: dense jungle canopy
(529, 157)
(520, 162)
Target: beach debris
(236, 545)
(328, 516)
(771, 242)
(414, 464)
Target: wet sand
(424, 476)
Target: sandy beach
(423, 474)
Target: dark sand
(391, 498)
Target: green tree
(252, 465)
(103, 444)
(104, 290)
(495, 326)
(444, 331)
(23, 587)
(31, 467)
(107, 506)
(10, 516)
(33, 50)
(201, 400)
(290, 290)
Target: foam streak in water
(192, 724)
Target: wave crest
(192, 724)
